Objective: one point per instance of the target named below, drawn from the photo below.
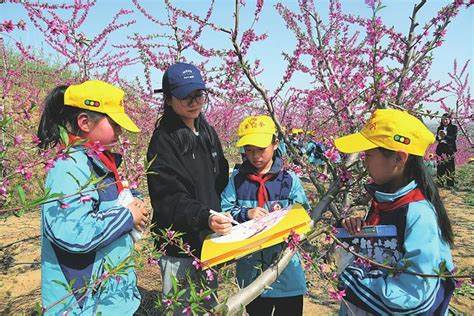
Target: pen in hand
(233, 221)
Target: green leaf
(75, 179)
(62, 284)
(7, 120)
(21, 194)
(181, 293)
(63, 135)
(72, 282)
(38, 309)
(174, 283)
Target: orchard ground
(20, 255)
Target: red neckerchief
(262, 193)
(378, 207)
(105, 157)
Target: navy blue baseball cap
(180, 80)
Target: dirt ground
(20, 271)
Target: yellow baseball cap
(297, 131)
(102, 97)
(390, 129)
(256, 131)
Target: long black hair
(184, 136)
(415, 170)
(57, 114)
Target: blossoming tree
(355, 65)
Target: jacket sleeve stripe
(123, 222)
(362, 289)
(349, 281)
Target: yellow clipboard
(254, 235)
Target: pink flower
(152, 261)
(345, 175)
(324, 268)
(3, 190)
(337, 295)
(370, 3)
(332, 154)
(328, 238)
(322, 177)
(35, 140)
(170, 234)
(85, 198)
(197, 264)
(293, 240)
(187, 310)
(49, 164)
(167, 302)
(21, 25)
(8, 26)
(17, 140)
(23, 171)
(104, 275)
(209, 275)
(96, 149)
(64, 205)
(362, 263)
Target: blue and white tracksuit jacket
(419, 242)
(81, 239)
(238, 197)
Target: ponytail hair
(415, 170)
(57, 114)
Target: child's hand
(139, 213)
(256, 212)
(220, 224)
(353, 224)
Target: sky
(459, 40)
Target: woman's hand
(139, 213)
(353, 224)
(220, 224)
(441, 134)
(256, 212)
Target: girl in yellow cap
(87, 234)
(261, 185)
(403, 195)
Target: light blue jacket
(420, 243)
(81, 238)
(238, 197)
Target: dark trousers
(446, 169)
(283, 306)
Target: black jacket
(183, 187)
(448, 147)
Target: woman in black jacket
(187, 174)
(446, 137)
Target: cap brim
(124, 121)
(259, 140)
(183, 91)
(353, 143)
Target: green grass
(465, 182)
